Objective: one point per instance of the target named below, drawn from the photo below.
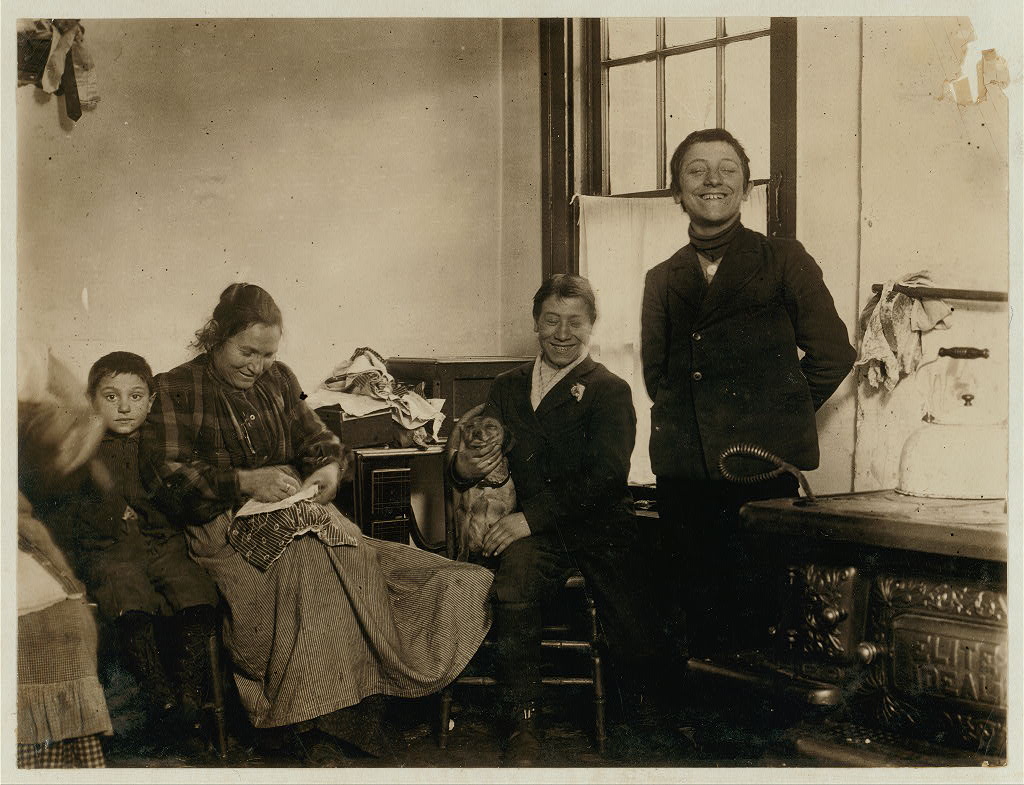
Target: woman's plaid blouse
(201, 430)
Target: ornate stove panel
(938, 657)
(901, 606)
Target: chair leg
(600, 736)
(445, 717)
(218, 694)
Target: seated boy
(134, 561)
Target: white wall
(382, 178)
(935, 196)
(352, 167)
(521, 183)
(827, 222)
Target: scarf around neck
(714, 247)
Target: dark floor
(726, 724)
(714, 738)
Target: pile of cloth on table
(891, 325)
(361, 385)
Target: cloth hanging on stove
(891, 326)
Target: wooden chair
(570, 627)
(217, 672)
(574, 631)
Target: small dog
(479, 507)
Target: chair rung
(550, 644)
(573, 645)
(567, 681)
(551, 681)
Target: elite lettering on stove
(949, 659)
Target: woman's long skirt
(326, 626)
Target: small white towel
(891, 327)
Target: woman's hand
(327, 477)
(269, 483)
(504, 532)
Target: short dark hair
(241, 306)
(117, 363)
(564, 286)
(706, 135)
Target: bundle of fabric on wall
(361, 385)
(52, 55)
(891, 325)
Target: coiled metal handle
(756, 451)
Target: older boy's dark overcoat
(720, 361)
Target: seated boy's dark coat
(130, 556)
(100, 516)
(571, 458)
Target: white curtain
(621, 238)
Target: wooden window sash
(560, 233)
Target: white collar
(542, 384)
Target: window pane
(734, 25)
(630, 36)
(682, 30)
(632, 157)
(689, 97)
(748, 100)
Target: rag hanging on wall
(52, 56)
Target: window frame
(559, 104)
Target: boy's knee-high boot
(518, 631)
(197, 625)
(138, 644)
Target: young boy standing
(133, 560)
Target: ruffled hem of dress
(62, 710)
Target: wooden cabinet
(463, 382)
(383, 486)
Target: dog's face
(481, 432)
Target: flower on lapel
(577, 391)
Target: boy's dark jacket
(93, 518)
(720, 362)
(570, 460)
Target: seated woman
(324, 625)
